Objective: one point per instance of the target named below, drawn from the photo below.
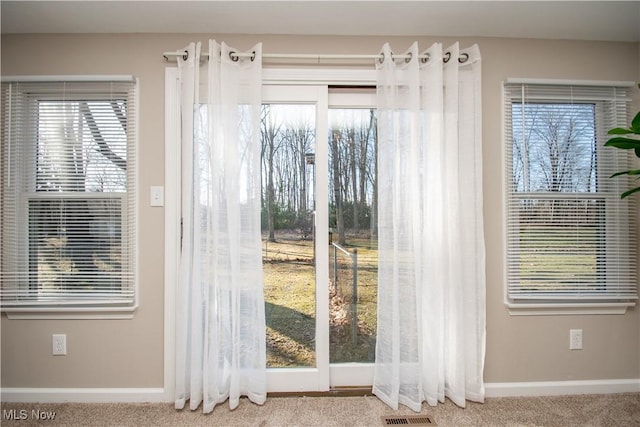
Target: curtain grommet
(408, 58)
(447, 57)
(185, 55)
(464, 57)
(234, 56)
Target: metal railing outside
(343, 270)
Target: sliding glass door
(319, 236)
(353, 231)
(294, 236)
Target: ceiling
(579, 20)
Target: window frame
(542, 304)
(123, 304)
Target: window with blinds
(570, 238)
(68, 187)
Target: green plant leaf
(620, 131)
(635, 123)
(629, 172)
(624, 143)
(630, 192)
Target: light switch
(157, 196)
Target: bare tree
(103, 146)
(336, 137)
(371, 170)
(562, 148)
(270, 144)
(553, 151)
(351, 157)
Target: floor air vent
(408, 420)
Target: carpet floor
(584, 410)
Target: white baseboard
(159, 395)
(556, 388)
(84, 395)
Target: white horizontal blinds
(569, 236)
(68, 192)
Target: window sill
(69, 313)
(559, 309)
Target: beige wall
(129, 353)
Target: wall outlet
(575, 339)
(59, 344)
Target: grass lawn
(554, 259)
(289, 291)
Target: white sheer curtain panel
(431, 284)
(220, 322)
